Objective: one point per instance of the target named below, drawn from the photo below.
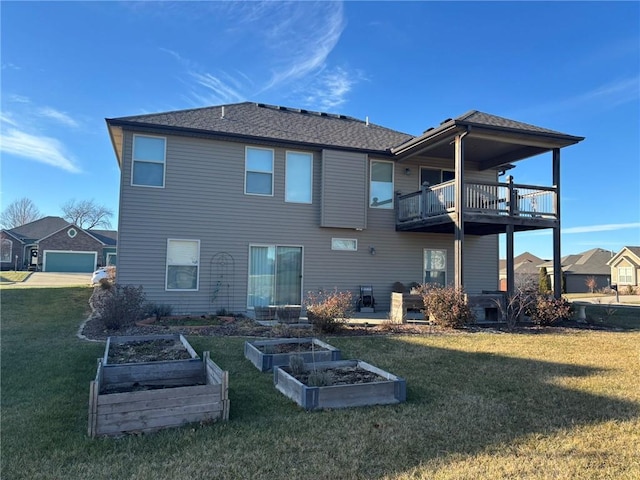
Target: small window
(72, 232)
(381, 188)
(299, 177)
(6, 250)
(183, 261)
(348, 244)
(435, 266)
(258, 171)
(148, 161)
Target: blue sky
(572, 67)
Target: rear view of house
(245, 205)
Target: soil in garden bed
(136, 387)
(337, 376)
(147, 351)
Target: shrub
(296, 364)
(548, 310)
(629, 290)
(544, 283)
(328, 311)
(446, 306)
(119, 306)
(158, 310)
(320, 378)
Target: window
(381, 188)
(435, 266)
(299, 177)
(435, 176)
(148, 161)
(183, 260)
(275, 275)
(350, 244)
(258, 171)
(6, 247)
(625, 275)
(72, 232)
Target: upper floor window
(299, 177)
(625, 275)
(6, 247)
(381, 187)
(148, 161)
(258, 171)
(183, 261)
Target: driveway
(47, 279)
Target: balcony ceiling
(490, 141)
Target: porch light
(407, 171)
(372, 250)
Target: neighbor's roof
(108, 237)
(633, 250)
(591, 262)
(269, 122)
(38, 229)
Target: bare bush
(118, 306)
(446, 306)
(328, 311)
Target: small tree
(19, 212)
(591, 283)
(544, 285)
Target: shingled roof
(269, 122)
(38, 229)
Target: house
(625, 268)
(52, 244)
(578, 269)
(525, 269)
(248, 204)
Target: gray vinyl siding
(203, 199)
(344, 189)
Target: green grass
(12, 277)
(614, 315)
(480, 406)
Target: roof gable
(633, 253)
(591, 262)
(38, 229)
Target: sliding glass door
(275, 275)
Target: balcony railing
(484, 198)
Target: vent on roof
(302, 110)
(282, 108)
(428, 130)
(261, 105)
(324, 114)
(343, 117)
(445, 121)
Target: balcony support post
(458, 243)
(557, 265)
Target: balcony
(488, 207)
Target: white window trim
(246, 170)
(631, 282)
(166, 272)
(393, 184)
(354, 240)
(163, 162)
(286, 176)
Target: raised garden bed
(266, 354)
(147, 383)
(350, 387)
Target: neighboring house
(625, 268)
(52, 244)
(577, 269)
(526, 270)
(248, 204)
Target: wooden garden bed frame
(264, 361)
(182, 391)
(389, 391)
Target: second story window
(299, 177)
(258, 171)
(381, 186)
(148, 161)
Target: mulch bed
(246, 327)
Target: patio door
(275, 275)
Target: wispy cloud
(607, 227)
(293, 42)
(40, 149)
(58, 116)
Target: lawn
(12, 277)
(559, 405)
